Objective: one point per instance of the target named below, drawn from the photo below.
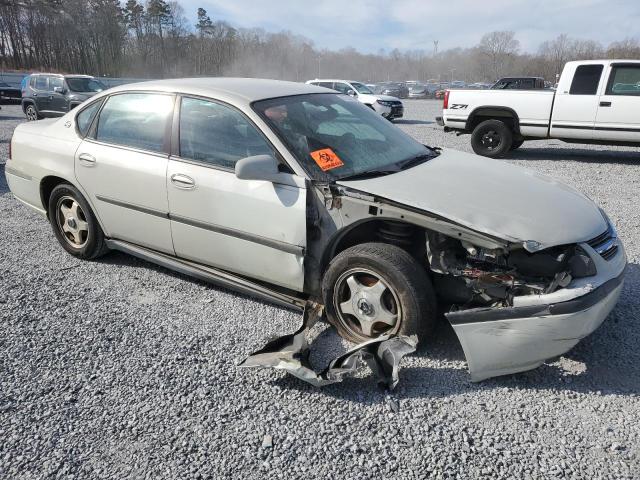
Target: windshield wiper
(369, 174)
(417, 160)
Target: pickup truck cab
(596, 101)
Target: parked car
(394, 89)
(389, 107)
(53, 95)
(596, 102)
(9, 93)
(298, 194)
(519, 83)
(417, 90)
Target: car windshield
(81, 84)
(336, 137)
(360, 88)
(3, 84)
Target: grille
(606, 244)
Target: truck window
(586, 79)
(624, 80)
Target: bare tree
(499, 48)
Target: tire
(74, 224)
(516, 144)
(388, 281)
(491, 138)
(31, 112)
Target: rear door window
(137, 120)
(41, 83)
(586, 80)
(624, 80)
(86, 116)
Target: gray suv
(53, 95)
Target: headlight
(385, 103)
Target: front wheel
(376, 289)
(74, 224)
(491, 138)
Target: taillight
(445, 103)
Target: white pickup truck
(596, 101)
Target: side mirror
(59, 90)
(351, 93)
(265, 167)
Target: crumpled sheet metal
(291, 353)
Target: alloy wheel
(72, 222)
(366, 304)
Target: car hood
(388, 98)
(492, 197)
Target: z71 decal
(458, 106)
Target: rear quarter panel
(40, 149)
(533, 108)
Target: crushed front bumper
(501, 341)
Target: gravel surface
(120, 369)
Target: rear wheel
(516, 144)
(74, 224)
(491, 138)
(378, 289)
(31, 113)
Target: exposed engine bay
(467, 276)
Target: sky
(371, 25)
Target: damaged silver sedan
(300, 195)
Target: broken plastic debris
(291, 353)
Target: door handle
(183, 181)
(87, 160)
(605, 104)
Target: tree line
(154, 39)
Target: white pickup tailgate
(533, 107)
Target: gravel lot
(120, 369)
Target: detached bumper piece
(291, 353)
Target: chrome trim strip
(137, 208)
(210, 274)
(278, 245)
(268, 242)
(17, 173)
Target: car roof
(239, 90)
(59, 75)
(334, 80)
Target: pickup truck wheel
(491, 138)
(516, 144)
(74, 224)
(376, 289)
(31, 113)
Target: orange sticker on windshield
(326, 159)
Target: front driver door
(122, 166)
(250, 227)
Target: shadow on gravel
(4, 188)
(413, 122)
(577, 155)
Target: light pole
(319, 58)
(452, 70)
